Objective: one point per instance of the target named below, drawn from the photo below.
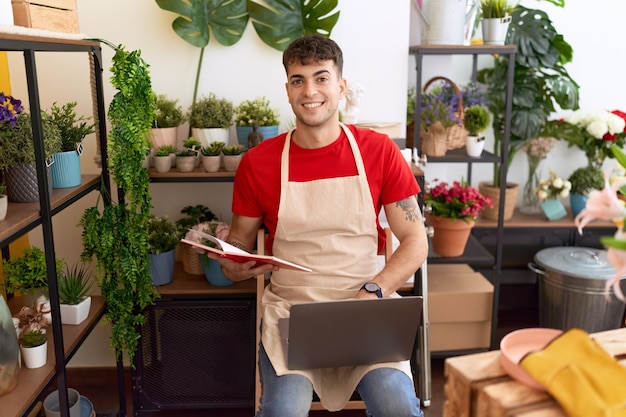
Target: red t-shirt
(257, 181)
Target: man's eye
(322, 79)
(296, 82)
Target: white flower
(542, 194)
(557, 183)
(564, 192)
(567, 185)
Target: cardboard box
(459, 309)
(53, 15)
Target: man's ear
(343, 86)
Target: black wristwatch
(373, 288)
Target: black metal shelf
(474, 253)
(31, 215)
(460, 156)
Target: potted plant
(73, 130)
(162, 160)
(496, 16)
(74, 294)
(211, 156)
(163, 237)
(17, 156)
(168, 115)
(27, 274)
(259, 111)
(476, 121)
(437, 116)
(210, 119)
(232, 156)
(171, 149)
(583, 181)
(193, 215)
(186, 160)
(549, 191)
(452, 212)
(540, 84)
(212, 270)
(34, 348)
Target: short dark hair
(313, 48)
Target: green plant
(28, 271)
(118, 236)
(234, 150)
(74, 284)
(214, 149)
(33, 338)
(258, 110)
(586, 179)
(17, 146)
(162, 151)
(540, 81)
(186, 152)
(277, 26)
(167, 112)
(3, 189)
(72, 128)
(169, 148)
(194, 215)
(476, 119)
(491, 9)
(211, 111)
(163, 234)
(192, 143)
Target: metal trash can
(571, 289)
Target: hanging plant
(118, 235)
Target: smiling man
(318, 190)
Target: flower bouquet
(10, 108)
(548, 192)
(453, 211)
(441, 118)
(594, 133)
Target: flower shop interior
(464, 328)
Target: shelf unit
(21, 218)
(474, 253)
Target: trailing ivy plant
(277, 25)
(118, 235)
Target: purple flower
(10, 108)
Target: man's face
(314, 91)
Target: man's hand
(238, 271)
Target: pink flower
(602, 205)
(617, 258)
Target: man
(318, 190)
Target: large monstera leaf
(227, 20)
(286, 20)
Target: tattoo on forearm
(238, 244)
(411, 209)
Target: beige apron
(341, 247)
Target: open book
(228, 251)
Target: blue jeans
(387, 392)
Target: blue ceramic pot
(213, 272)
(66, 170)
(577, 202)
(266, 131)
(162, 267)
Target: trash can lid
(578, 262)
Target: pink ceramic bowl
(515, 345)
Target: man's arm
(243, 232)
(405, 221)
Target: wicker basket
(191, 260)
(457, 134)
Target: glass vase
(530, 201)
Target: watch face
(371, 287)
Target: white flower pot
(211, 163)
(209, 135)
(231, 162)
(474, 145)
(52, 404)
(162, 163)
(75, 314)
(494, 30)
(35, 357)
(4, 204)
(185, 163)
(163, 136)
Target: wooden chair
(422, 339)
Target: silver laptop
(350, 332)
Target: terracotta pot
(510, 200)
(450, 236)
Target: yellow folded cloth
(580, 375)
